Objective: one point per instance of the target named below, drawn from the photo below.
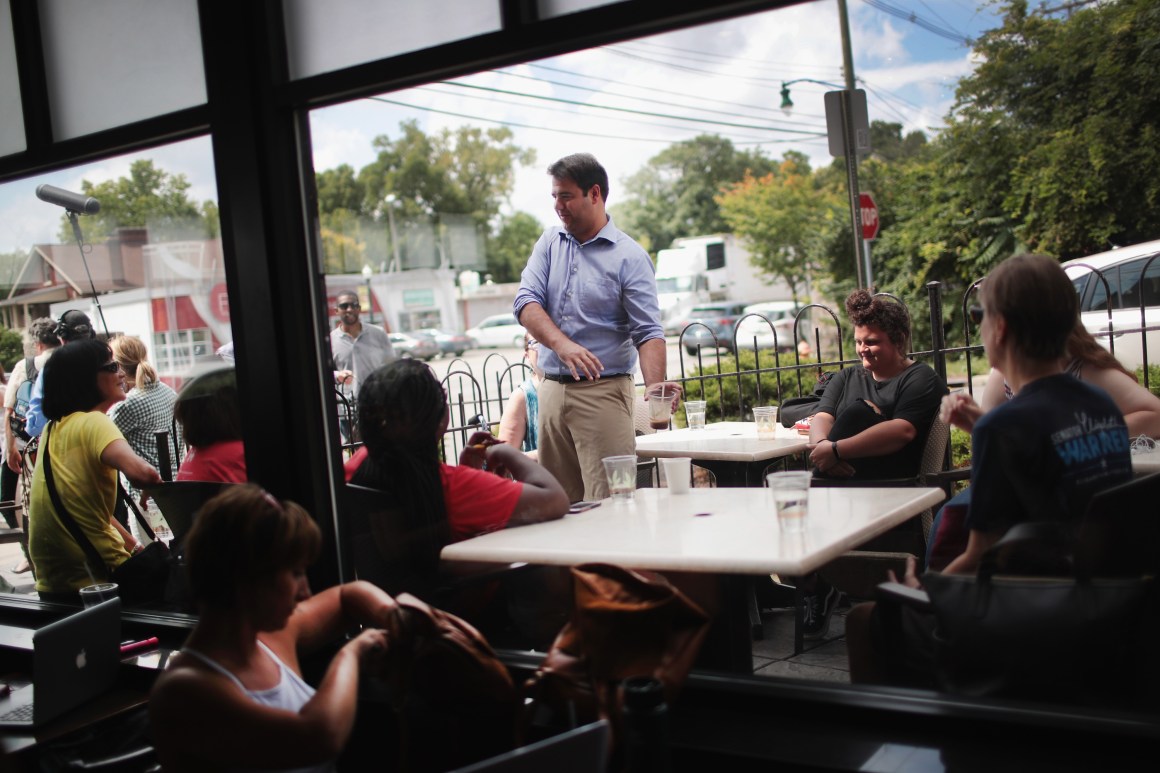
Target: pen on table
(136, 646)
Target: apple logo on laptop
(82, 661)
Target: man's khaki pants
(580, 424)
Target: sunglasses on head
(110, 367)
(975, 314)
(349, 305)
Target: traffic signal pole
(851, 146)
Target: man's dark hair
(71, 378)
(75, 325)
(43, 331)
(345, 294)
(582, 169)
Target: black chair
(180, 501)
(1115, 547)
(381, 545)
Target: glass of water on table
(791, 499)
(621, 472)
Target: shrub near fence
(733, 385)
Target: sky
(721, 78)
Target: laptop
(73, 660)
(583, 750)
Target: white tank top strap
(215, 666)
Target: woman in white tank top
(234, 698)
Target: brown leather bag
(454, 698)
(624, 623)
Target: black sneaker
(816, 611)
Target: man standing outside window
(359, 349)
(589, 296)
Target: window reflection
(152, 253)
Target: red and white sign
(869, 216)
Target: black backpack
(19, 417)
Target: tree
(148, 198)
(783, 217)
(1066, 107)
(466, 171)
(675, 193)
(508, 251)
(338, 188)
(11, 348)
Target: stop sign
(869, 216)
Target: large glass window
(153, 256)
(431, 198)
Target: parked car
(1132, 286)
(715, 330)
(757, 330)
(448, 343)
(409, 346)
(498, 330)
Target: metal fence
(759, 373)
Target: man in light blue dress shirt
(589, 296)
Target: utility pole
(851, 146)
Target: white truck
(700, 269)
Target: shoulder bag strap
(146, 529)
(92, 557)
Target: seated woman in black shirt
(873, 420)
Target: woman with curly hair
(873, 420)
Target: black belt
(568, 378)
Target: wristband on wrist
(834, 446)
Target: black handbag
(1073, 638)
(795, 409)
(141, 577)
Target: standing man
(359, 350)
(589, 296)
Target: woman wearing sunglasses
(85, 451)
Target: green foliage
(148, 198)
(960, 448)
(11, 348)
(732, 388)
(443, 190)
(782, 217)
(339, 189)
(675, 194)
(1153, 378)
(508, 251)
(1063, 111)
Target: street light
(787, 103)
(367, 272)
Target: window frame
(257, 120)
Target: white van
(1132, 276)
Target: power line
(629, 110)
(709, 57)
(655, 90)
(914, 18)
(647, 99)
(667, 141)
(639, 57)
(526, 106)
